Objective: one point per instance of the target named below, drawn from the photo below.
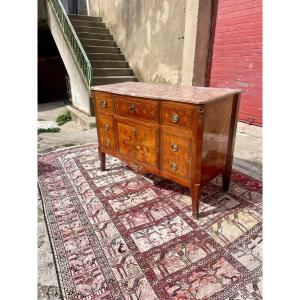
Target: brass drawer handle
(106, 127)
(132, 108)
(174, 166)
(175, 148)
(175, 118)
(107, 142)
(103, 104)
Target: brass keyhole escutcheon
(106, 127)
(175, 148)
(132, 108)
(174, 166)
(175, 118)
(134, 131)
(103, 104)
(107, 142)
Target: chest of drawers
(185, 134)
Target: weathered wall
(94, 7)
(79, 89)
(202, 42)
(82, 7)
(71, 6)
(190, 35)
(149, 33)
(196, 41)
(42, 10)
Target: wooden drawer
(147, 144)
(175, 145)
(106, 124)
(103, 102)
(176, 166)
(172, 113)
(126, 139)
(107, 142)
(138, 142)
(137, 108)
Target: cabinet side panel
(215, 137)
(96, 110)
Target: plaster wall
(150, 34)
(190, 35)
(81, 6)
(42, 10)
(79, 89)
(202, 46)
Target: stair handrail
(73, 40)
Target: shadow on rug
(119, 235)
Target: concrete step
(112, 72)
(88, 23)
(94, 36)
(81, 119)
(109, 64)
(101, 49)
(112, 79)
(84, 18)
(105, 56)
(90, 42)
(91, 29)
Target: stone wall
(150, 34)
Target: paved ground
(47, 278)
(248, 150)
(247, 159)
(70, 133)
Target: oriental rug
(119, 235)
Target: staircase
(107, 61)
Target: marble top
(189, 94)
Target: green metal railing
(72, 38)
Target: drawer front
(107, 142)
(138, 142)
(175, 114)
(175, 151)
(106, 124)
(126, 139)
(176, 166)
(137, 108)
(146, 144)
(176, 146)
(103, 102)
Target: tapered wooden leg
(195, 194)
(226, 177)
(102, 161)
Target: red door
(236, 54)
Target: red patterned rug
(119, 235)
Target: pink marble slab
(189, 94)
